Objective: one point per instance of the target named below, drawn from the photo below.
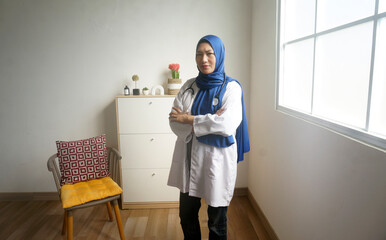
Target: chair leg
(109, 211)
(70, 227)
(119, 221)
(64, 228)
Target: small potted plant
(175, 67)
(145, 91)
(174, 83)
(135, 78)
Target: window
(332, 65)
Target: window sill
(358, 135)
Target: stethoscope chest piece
(215, 101)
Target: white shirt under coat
(212, 171)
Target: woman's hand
(176, 115)
(220, 111)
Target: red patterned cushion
(82, 160)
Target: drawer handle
(150, 103)
(152, 139)
(153, 175)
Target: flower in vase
(174, 67)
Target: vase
(174, 86)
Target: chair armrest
(53, 167)
(114, 157)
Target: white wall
(63, 62)
(311, 183)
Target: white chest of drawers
(146, 144)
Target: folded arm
(179, 115)
(225, 121)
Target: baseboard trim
(267, 226)
(29, 196)
(149, 205)
(240, 192)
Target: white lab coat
(212, 172)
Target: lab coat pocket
(214, 165)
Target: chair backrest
(113, 158)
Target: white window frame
(357, 134)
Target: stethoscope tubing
(216, 97)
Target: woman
(208, 117)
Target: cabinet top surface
(146, 96)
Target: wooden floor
(24, 220)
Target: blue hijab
(213, 86)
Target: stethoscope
(215, 99)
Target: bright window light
(342, 70)
(331, 65)
(299, 19)
(333, 13)
(297, 73)
(378, 97)
(382, 6)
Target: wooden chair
(114, 158)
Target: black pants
(217, 223)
